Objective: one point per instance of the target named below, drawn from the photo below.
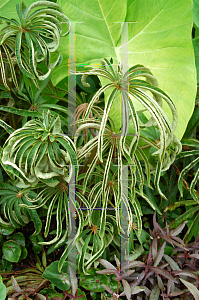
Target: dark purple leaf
(193, 290)
(172, 263)
(154, 248)
(194, 256)
(174, 294)
(163, 266)
(127, 289)
(179, 240)
(108, 289)
(162, 272)
(107, 271)
(160, 283)
(106, 264)
(127, 274)
(155, 293)
(185, 273)
(178, 229)
(159, 255)
(139, 279)
(166, 239)
(131, 264)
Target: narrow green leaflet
(7, 127)
(189, 213)
(20, 112)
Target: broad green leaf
(11, 251)
(2, 289)
(24, 253)
(6, 230)
(19, 238)
(59, 279)
(100, 38)
(194, 121)
(94, 281)
(51, 293)
(196, 12)
(135, 254)
(160, 40)
(196, 50)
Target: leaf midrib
(148, 23)
(106, 24)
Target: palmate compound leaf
(11, 200)
(39, 151)
(130, 87)
(90, 246)
(108, 187)
(37, 32)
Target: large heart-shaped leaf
(196, 12)
(96, 34)
(196, 46)
(160, 40)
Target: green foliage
(12, 198)
(160, 40)
(2, 289)
(35, 240)
(60, 279)
(14, 249)
(95, 191)
(40, 157)
(93, 281)
(7, 230)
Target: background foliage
(38, 156)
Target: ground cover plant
(99, 151)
